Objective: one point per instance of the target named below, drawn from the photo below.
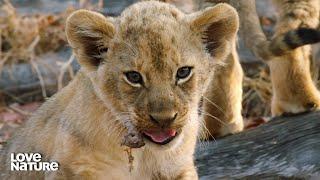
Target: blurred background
(36, 61)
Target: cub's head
(151, 65)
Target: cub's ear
(218, 27)
(89, 34)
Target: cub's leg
(222, 101)
(293, 88)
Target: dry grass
(25, 37)
(257, 94)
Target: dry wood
(284, 147)
(18, 80)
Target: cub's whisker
(214, 104)
(214, 117)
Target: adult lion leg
(287, 54)
(293, 88)
(222, 101)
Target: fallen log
(285, 147)
(20, 82)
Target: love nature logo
(31, 162)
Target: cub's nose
(163, 120)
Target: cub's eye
(134, 78)
(183, 73)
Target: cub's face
(151, 65)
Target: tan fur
(222, 101)
(293, 89)
(83, 125)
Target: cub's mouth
(160, 136)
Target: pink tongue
(160, 136)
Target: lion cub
(142, 76)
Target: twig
(43, 88)
(4, 60)
(30, 93)
(84, 3)
(0, 46)
(100, 4)
(8, 3)
(65, 66)
(33, 44)
(35, 65)
(17, 99)
(71, 72)
(20, 111)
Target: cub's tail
(292, 40)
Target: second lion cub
(145, 72)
